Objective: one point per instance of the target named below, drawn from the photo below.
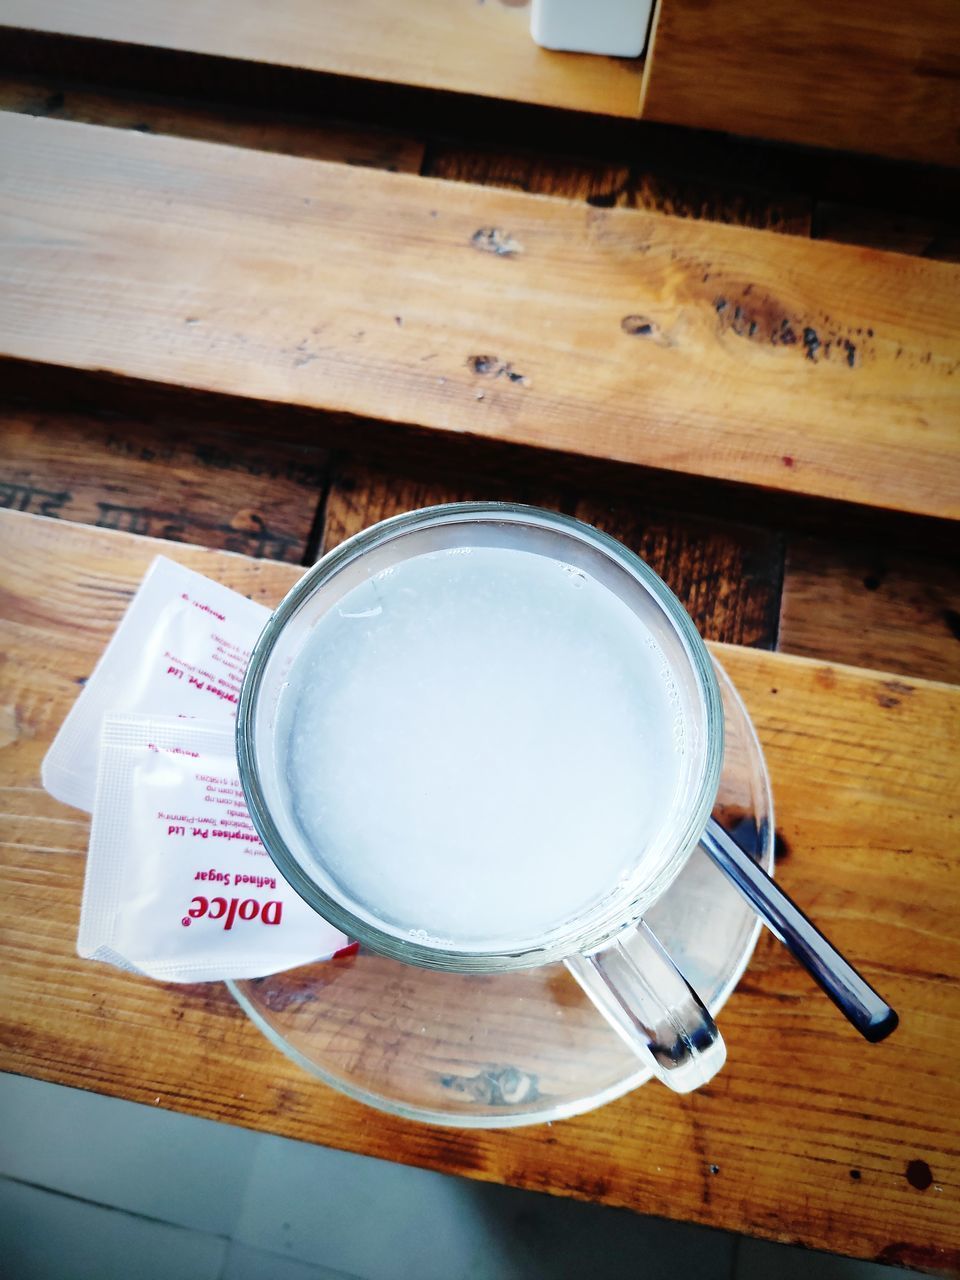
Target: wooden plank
(238, 126)
(691, 347)
(169, 479)
(872, 605)
(811, 1133)
(882, 78)
(727, 575)
(458, 45)
(654, 188)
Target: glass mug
(484, 736)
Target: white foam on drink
(485, 743)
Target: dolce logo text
(230, 910)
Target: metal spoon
(855, 998)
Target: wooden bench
(262, 347)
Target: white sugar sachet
(178, 884)
(181, 649)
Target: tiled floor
(106, 1190)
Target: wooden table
(253, 350)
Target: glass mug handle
(650, 1004)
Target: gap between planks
(218, 485)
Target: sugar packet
(180, 649)
(178, 884)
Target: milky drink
(484, 744)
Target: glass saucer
(522, 1047)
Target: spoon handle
(855, 998)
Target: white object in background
(614, 27)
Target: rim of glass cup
(596, 931)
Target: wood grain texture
(802, 1101)
(727, 575)
(872, 606)
(457, 45)
(708, 350)
(238, 126)
(360, 495)
(882, 78)
(654, 188)
(183, 481)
